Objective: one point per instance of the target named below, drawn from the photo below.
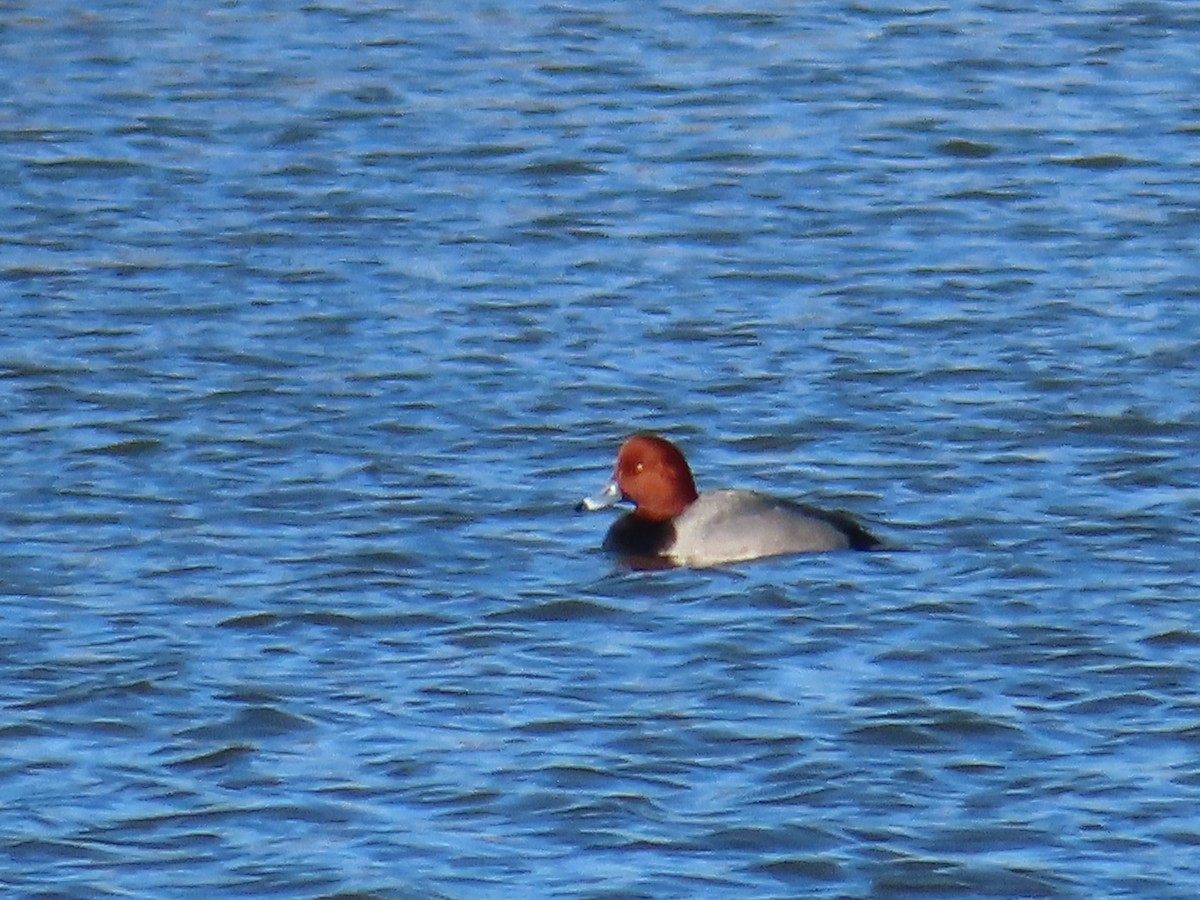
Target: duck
(673, 524)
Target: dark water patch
(481, 637)
(1173, 639)
(23, 731)
(801, 870)
(56, 852)
(253, 723)
(559, 168)
(897, 736)
(966, 149)
(92, 693)
(261, 621)
(214, 760)
(86, 167)
(771, 840)
(132, 447)
(1100, 162)
(30, 272)
(560, 611)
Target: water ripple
(318, 320)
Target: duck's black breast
(632, 535)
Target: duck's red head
(653, 473)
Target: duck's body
(674, 522)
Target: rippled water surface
(315, 321)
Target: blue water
(317, 319)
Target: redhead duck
(673, 523)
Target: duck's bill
(610, 496)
